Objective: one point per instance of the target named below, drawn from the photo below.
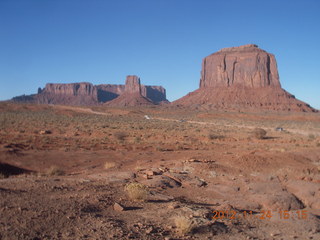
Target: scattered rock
(173, 206)
(118, 207)
(42, 132)
(150, 173)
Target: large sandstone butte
(132, 95)
(88, 94)
(244, 77)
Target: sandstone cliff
(245, 66)
(132, 95)
(108, 92)
(74, 94)
(88, 94)
(244, 77)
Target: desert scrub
(137, 191)
(213, 136)
(259, 133)
(183, 224)
(137, 139)
(3, 176)
(55, 171)
(311, 136)
(108, 165)
(120, 135)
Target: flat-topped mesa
(133, 84)
(83, 93)
(246, 66)
(249, 47)
(74, 89)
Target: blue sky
(162, 41)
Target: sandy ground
(203, 175)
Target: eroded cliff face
(133, 84)
(239, 78)
(108, 92)
(155, 93)
(132, 96)
(69, 94)
(87, 94)
(74, 89)
(245, 66)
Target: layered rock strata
(244, 77)
(88, 94)
(132, 95)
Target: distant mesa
(244, 77)
(85, 93)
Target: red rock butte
(132, 95)
(244, 77)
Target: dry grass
(2, 176)
(137, 191)
(55, 171)
(183, 224)
(213, 136)
(108, 165)
(259, 133)
(120, 135)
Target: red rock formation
(88, 94)
(132, 95)
(69, 94)
(108, 92)
(156, 94)
(244, 77)
(245, 66)
(133, 84)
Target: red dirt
(208, 163)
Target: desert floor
(102, 173)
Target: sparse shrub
(259, 133)
(213, 136)
(311, 136)
(137, 139)
(2, 176)
(55, 171)
(120, 135)
(137, 191)
(184, 225)
(108, 165)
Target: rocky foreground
(80, 173)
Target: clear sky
(161, 41)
